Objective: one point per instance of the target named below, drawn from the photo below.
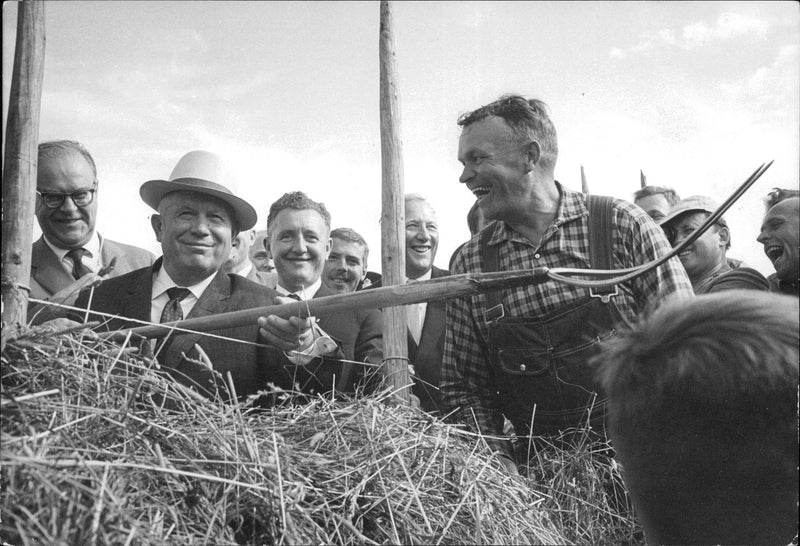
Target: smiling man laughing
(299, 235)
(779, 235)
(705, 260)
(347, 262)
(525, 353)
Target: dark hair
(529, 119)
(702, 410)
(60, 148)
(351, 236)
(299, 201)
(669, 194)
(779, 194)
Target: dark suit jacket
(256, 276)
(427, 357)
(48, 276)
(251, 367)
(360, 336)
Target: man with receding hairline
(525, 353)
(71, 252)
(656, 201)
(780, 235)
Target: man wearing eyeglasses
(70, 253)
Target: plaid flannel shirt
(467, 379)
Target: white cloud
(727, 26)
(772, 89)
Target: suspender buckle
(605, 297)
(495, 313)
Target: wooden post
(642, 178)
(584, 184)
(19, 169)
(393, 267)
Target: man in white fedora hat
(197, 220)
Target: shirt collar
(424, 277)
(162, 282)
(305, 294)
(92, 246)
(244, 271)
(571, 206)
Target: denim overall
(542, 364)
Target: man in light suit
(425, 320)
(299, 241)
(197, 219)
(71, 253)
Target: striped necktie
(79, 269)
(173, 311)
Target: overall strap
(491, 263)
(601, 237)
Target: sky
(695, 94)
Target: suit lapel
(140, 295)
(47, 269)
(108, 251)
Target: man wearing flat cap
(196, 222)
(706, 260)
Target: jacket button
(522, 367)
(537, 255)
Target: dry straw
(100, 447)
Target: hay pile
(99, 447)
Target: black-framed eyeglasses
(81, 198)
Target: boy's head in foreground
(703, 401)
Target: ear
(252, 235)
(328, 247)
(532, 154)
(157, 224)
(724, 236)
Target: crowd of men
(522, 361)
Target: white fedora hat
(199, 171)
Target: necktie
(293, 296)
(79, 269)
(172, 311)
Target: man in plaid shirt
(524, 353)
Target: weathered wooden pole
(395, 348)
(584, 184)
(642, 178)
(19, 168)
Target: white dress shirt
(244, 271)
(91, 259)
(304, 294)
(159, 298)
(415, 312)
